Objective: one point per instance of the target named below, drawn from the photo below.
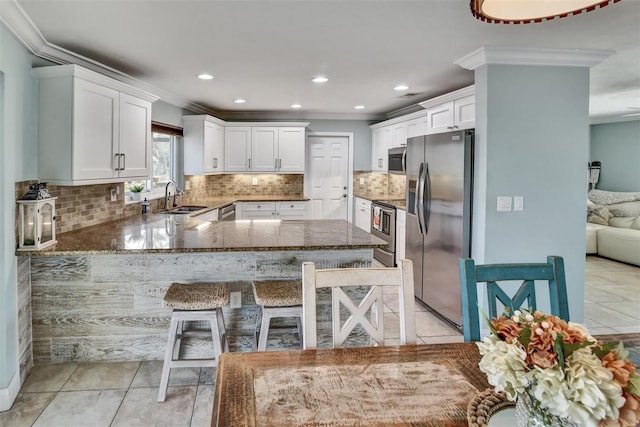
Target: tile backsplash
(376, 185)
(86, 205)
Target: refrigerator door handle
(427, 189)
(420, 208)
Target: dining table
(409, 385)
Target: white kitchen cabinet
(203, 145)
(453, 115)
(91, 129)
(265, 148)
(291, 149)
(401, 233)
(363, 214)
(292, 210)
(399, 132)
(212, 215)
(417, 127)
(237, 149)
(273, 210)
(382, 141)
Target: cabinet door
(208, 159)
(465, 112)
(264, 143)
(218, 148)
(363, 214)
(382, 138)
(258, 210)
(399, 135)
(440, 118)
(237, 149)
(95, 131)
(291, 149)
(417, 127)
(135, 137)
(292, 210)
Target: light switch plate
(235, 299)
(518, 203)
(504, 204)
(114, 194)
(187, 185)
(254, 180)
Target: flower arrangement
(562, 368)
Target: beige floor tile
(26, 409)
(607, 316)
(600, 295)
(48, 377)
(442, 339)
(203, 409)
(630, 308)
(627, 329)
(628, 292)
(140, 408)
(95, 408)
(150, 372)
(428, 324)
(102, 376)
(207, 376)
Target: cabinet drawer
(258, 206)
(291, 206)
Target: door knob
(344, 195)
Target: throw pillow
(599, 215)
(625, 209)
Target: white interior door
(327, 177)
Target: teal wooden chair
(471, 274)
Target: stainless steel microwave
(397, 160)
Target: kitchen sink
(182, 210)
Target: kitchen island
(97, 294)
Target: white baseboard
(8, 395)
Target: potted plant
(135, 190)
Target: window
(164, 156)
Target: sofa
(613, 225)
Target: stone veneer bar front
(97, 295)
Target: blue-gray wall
(169, 114)
(361, 137)
(532, 140)
(617, 146)
(18, 150)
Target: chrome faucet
(167, 194)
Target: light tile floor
(124, 394)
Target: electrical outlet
(254, 180)
(114, 194)
(235, 299)
(187, 185)
(361, 181)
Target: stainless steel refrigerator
(439, 171)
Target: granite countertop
(218, 202)
(183, 233)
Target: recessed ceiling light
(239, 101)
(320, 79)
(401, 87)
(205, 76)
(296, 106)
(359, 107)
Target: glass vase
(530, 413)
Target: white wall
(532, 140)
(18, 151)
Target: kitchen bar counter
(158, 232)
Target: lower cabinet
(212, 215)
(363, 214)
(401, 233)
(272, 210)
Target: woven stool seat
(196, 296)
(283, 293)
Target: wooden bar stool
(276, 298)
(193, 302)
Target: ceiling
(268, 51)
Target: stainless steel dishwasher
(228, 213)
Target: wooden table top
(416, 385)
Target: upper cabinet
(382, 140)
(203, 145)
(91, 129)
(276, 148)
(453, 111)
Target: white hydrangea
(593, 394)
(504, 365)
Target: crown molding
(533, 56)
(13, 16)
(293, 115)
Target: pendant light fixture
(531, 11)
